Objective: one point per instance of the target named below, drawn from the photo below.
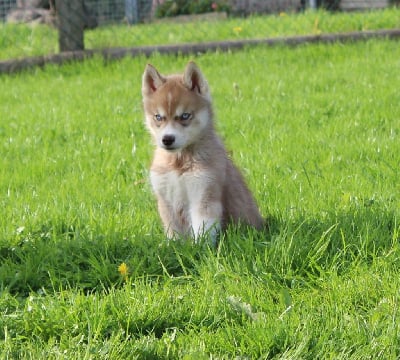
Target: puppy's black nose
(168, 140)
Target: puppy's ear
(194, 80)
(152, 80)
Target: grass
(21, 40)
(315, 130)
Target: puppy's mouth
(174, 150)
(171, 148)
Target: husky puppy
(198, 188)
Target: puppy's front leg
(167, 219)
(205, 208)
(206, 220)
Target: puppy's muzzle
(168, 140)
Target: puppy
(198, 188)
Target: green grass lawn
(316, 131)
(21, 40)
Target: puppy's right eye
(158, 117)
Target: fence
(132, 11)
(69, 18)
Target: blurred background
(43, 27)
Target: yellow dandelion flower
(237, 30)
(282, 14)
(123, 270)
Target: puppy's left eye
(185, 116)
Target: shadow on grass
(302, 248)
(70, 257)
(288, 251)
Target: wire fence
(134, 11)
(63, 23)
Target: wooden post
(71, 18)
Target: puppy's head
(177, 107)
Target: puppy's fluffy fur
(198, 188)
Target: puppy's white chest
(187, 199)
(171, 186)
(180, 191)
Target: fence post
(70, 15)
(131, 11)
(313, 4)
